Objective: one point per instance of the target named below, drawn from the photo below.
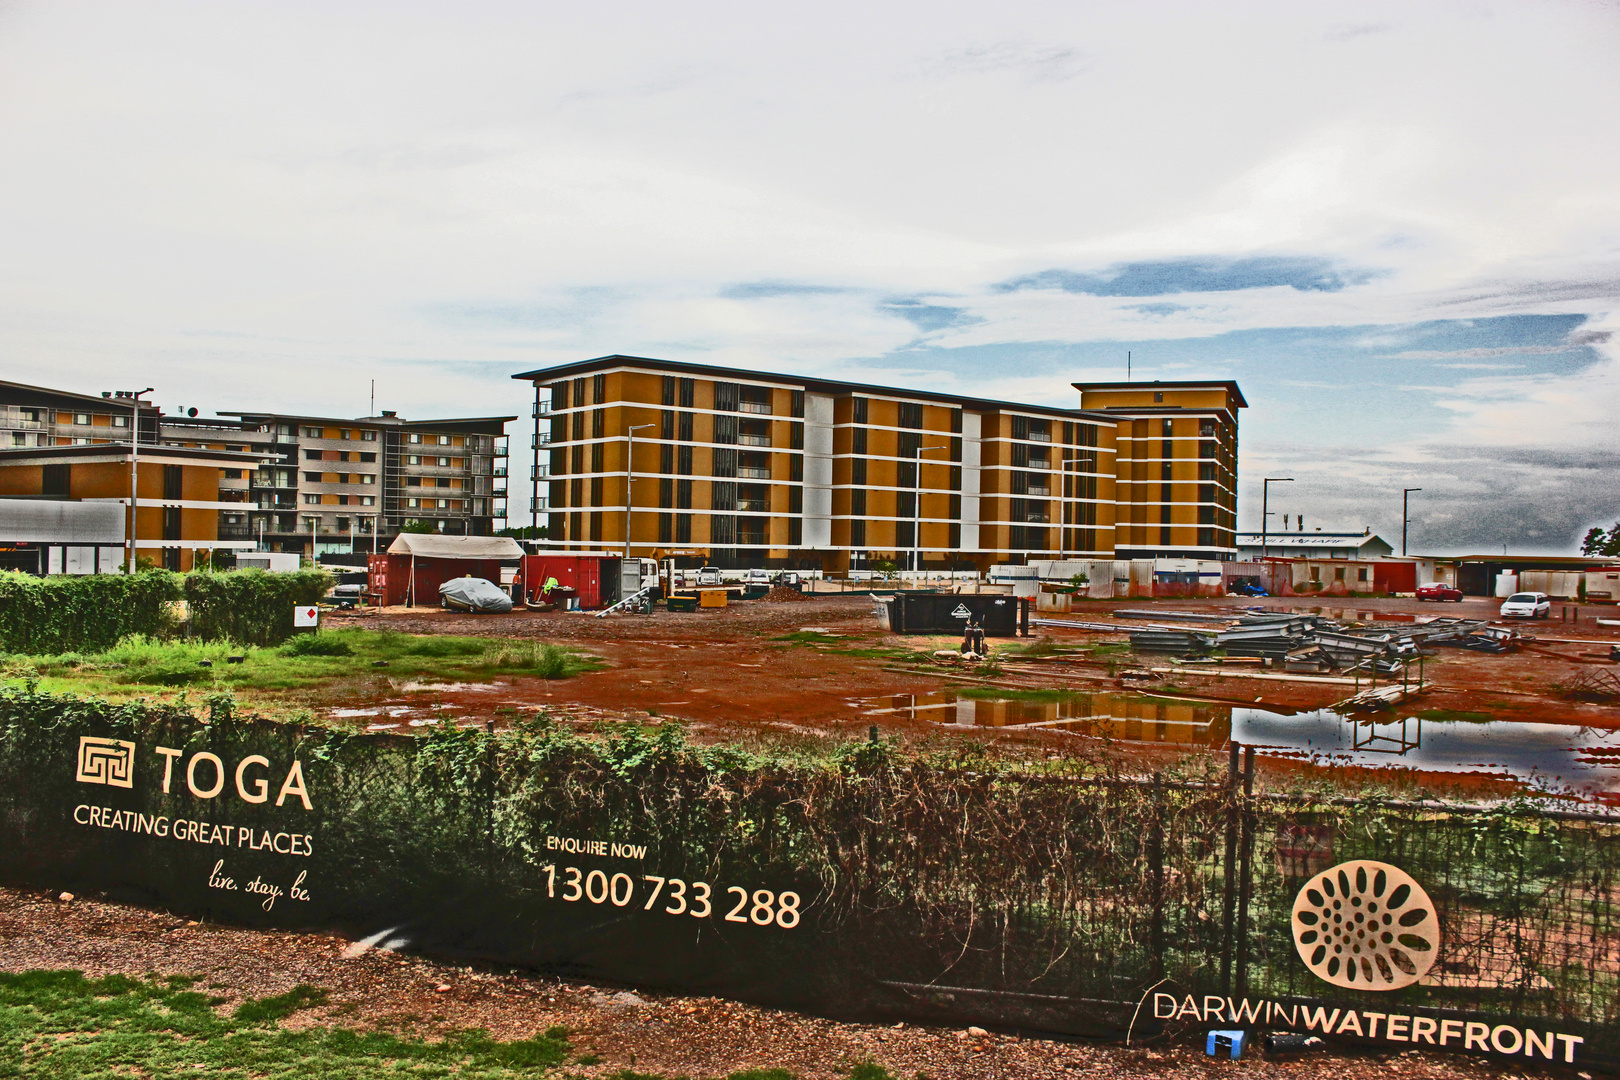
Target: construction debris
(1314, 644)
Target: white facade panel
(818, 470)
(43, 521)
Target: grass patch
(1455, 716)
(61, 1024)
(997, 693)
(308, 661)
(58, 1025)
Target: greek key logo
(106, 761)
(1367, 926)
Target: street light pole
(630, 477)
(1265, 512)
(134, 397)
(916, 505)
(1406, 493)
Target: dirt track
(627, 1027)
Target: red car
(1437, 591)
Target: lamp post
(1406, 493)
(1265, 513)
(630, 477)
(134, 399)
(916, 504)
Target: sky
(1397, 226)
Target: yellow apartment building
(755, 469)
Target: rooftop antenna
(373, 411)
(1127, 365)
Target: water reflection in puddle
(1555, 755)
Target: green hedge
(251, 606)
(92, 613)
(82, 614)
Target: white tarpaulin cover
(474, 594)
(436, 546)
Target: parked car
(1527, 605)
(1436, 590)
(757, 578)
(710, 575)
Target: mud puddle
(1561, 757)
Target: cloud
(1039, 63)
(766, 290)
(1198, 275)
(1356, 30)
(1478, 354)
(929, 317)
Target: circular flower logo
(1367, 926)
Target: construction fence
(879, 884)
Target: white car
(1526, 605)
(710, 575)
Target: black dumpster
(948, 613)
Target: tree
(525, 532)
(1598, 542)
(417, 525)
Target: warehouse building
(762, 469)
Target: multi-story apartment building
(1175, 466)
(32, 416)
(338, 485)
(779, 470)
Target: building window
(666, 427)
(57, 480)
(669, 390)
(859, 408)
(685, 433)
(596, 491)
(666, 492)
(312, 477)
(579, 459)
(576, 494)
(171, 523)
(688, 394)
(666, 522)
(796, 436)
(725, 396)
(368, 436)
(857, 533)
(683, 460)
(598, 391)
(796, 468)
(796, 402)
(911, 414)
(683, 526)
(857, 502)
(857, 441)
(666, 459)
(597, 454)
(683, 494)
(579, 402)
(416, 437)
(598, 423)
(725, 429)
(559, 398)
(857, 472)
(795, 532)
(312, 433)
(1206, 538)
(725, 462)
(1158, 396)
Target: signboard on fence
(861, 890)
(306, 615)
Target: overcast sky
(1397, 226)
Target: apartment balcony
(235, 532)
(1037, 517)
(759, 407)
(535, 443)
(501, 451)
(541, 408)
(1040, 436)
(744, 472)
(499, 493)
(754, 440)
(754, 506)
(539, 472)
(1039, 491)
(539, 505)
(499, 470)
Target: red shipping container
(595, 578)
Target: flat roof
(1167, 384)
(478, 425)
(71, 395)
(100, 453)
(809, 383)
(1300, 538)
